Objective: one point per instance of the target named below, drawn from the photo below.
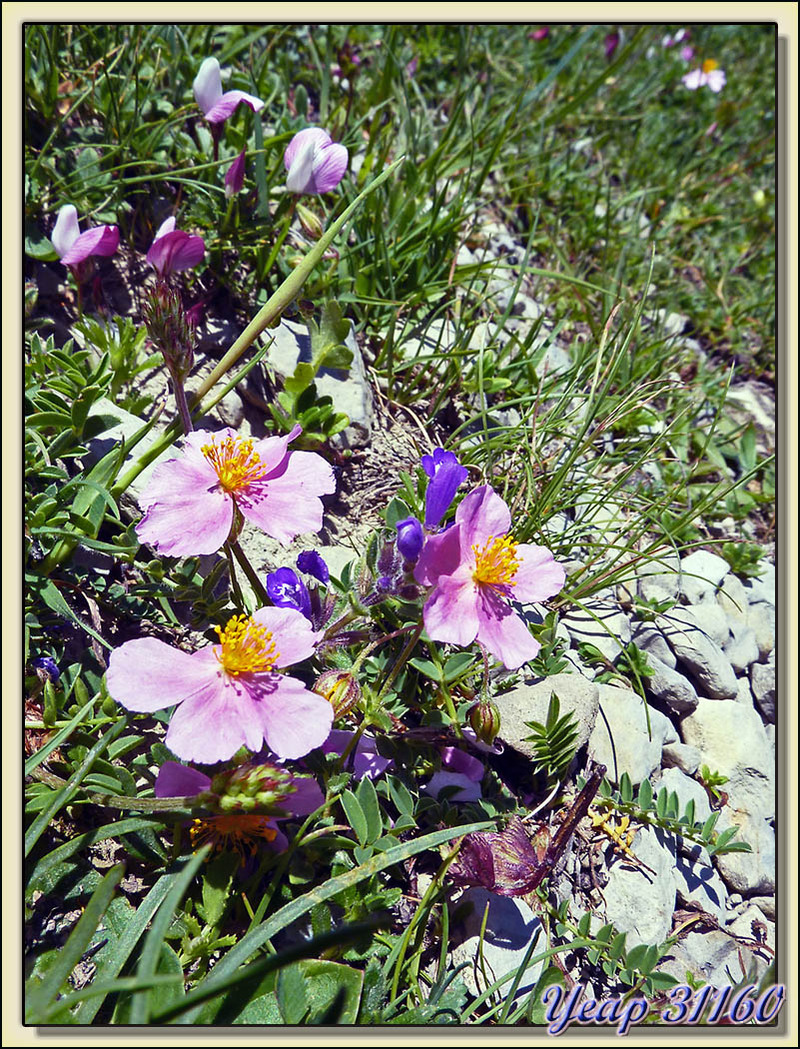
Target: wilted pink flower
(475, 568)
(708, 75)
(234, 177)
(230, 695)
(239, 831)
(189, 503)
(74, 247)
(314, 163)
(173, 251)
(208, 94)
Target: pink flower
(234, 177)
(365, 760)
(458, 770)
(230, 695)
(208, 94)
(190, 501)
(240, 831)
(314, 163)
(74, 247)
(173, 250)
(708, 75)
(475, 567)
(541, 33)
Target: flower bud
(484, 720)
(250, 787)
(409, 538)
(170, 328)
(309, 221)
(340, 689)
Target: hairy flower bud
(309, 221)
(171, 329)
(341, 690)
(484, 720)
(252, 787)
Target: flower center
(240, 833)
(496, 563)
(235, 462)
(710, 65)
(247, 647)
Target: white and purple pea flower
(216, 106)
(74, 247)
(314, 162)
(173, 250)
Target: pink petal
(329, 168)
(273, 451)
(225, 106)
(287, 505)
(208, 84)
(234, 176)
(451, 612)
(186, 512)
(179, 781)
(306, 798)
(294, 720)
(211, 726)
(175, 251)
(693, 80)
(503, 632)
(294, 638)
(66, 230)
(146, 675)
(482, 514)
(716, 80)
(440, 556)
(539, 575)
(306, 141)
(102, 240)
(456, 760)
(469, 790)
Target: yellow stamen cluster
(710, 65)
(496, 563)
(239, 833)
(235, 462)
(247, 647)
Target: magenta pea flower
(216, 106)
(707, 75)
(234, 177)
(237, 831)
(74, 247)
(173, 250)
(190, 501)
(229, 695)
(314, 163)
(476, 569)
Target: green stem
(237, 590)
(252, 575)
(182, 403)
(402, 659)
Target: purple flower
(314, 163)
(410, 538)
(446, 474)
(234, 178)
(286, 590)
(366, 761)
(48, 668)
(208, 94)
(74, 247)
(461, 770)
(541, 33)
(173, 250)
(611, 43)
(312, 564)
(687, 53)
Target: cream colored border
(13, 15)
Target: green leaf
(217, 879)
(355, 816)
(368, 800)
(626, 788)
(325, 992)
(300, 380)
(327, 339)
(645, 794)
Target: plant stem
(252, 576)
(402, 659)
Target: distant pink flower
(230, 695)
(173, 250)
(541, 33)
(234, 177)
(74, 247)
(687, 53)
(208, 94)
(610, 44)
(708, 75)
(475, 568)
(314, 163)
(190, 501)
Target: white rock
(610, 634)
(633, 750)
(638, 902)
(647, 637)
(687, 790)
(701, 574)
(748, 872)
(670, 688)
(658, 580)
(529, 702)
(704, 659)
(761, 619)
(732, 597)
(698, 882)
(762, 681)
(742, 647)
(681, 756)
